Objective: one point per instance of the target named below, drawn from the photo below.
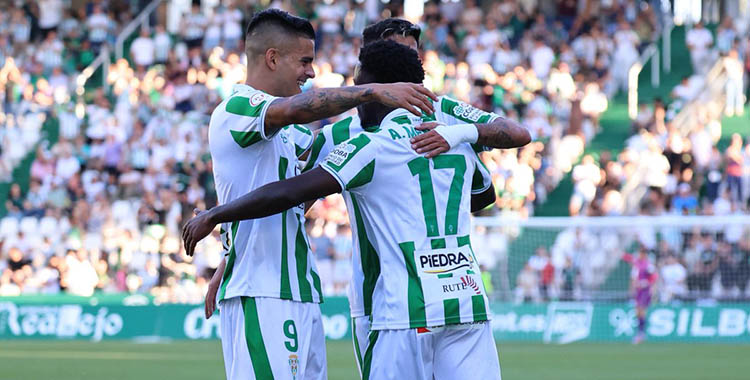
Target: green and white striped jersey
(267, 257)
(411, 217)
(448, 111)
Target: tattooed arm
(326, 102)
(502, 133)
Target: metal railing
(135, 24)
(711, 95)
(650, 53)
(101, 60)
(695, 114)
(666, 44)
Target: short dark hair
(388, 27)
(390, 62)
(290, 23)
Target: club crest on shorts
(293, 365)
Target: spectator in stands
(586, 178)
(734, 168)
(143, 50)
(735, 103)
(699, 41)
(98, 24)
(162, 45)
(527, 285)
(50, 15)
(14, 204)
(673, 278)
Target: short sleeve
(302, 138)
(452, 112)
(352, 162)
(246, 114)
(482, 179)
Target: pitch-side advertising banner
(557, 323)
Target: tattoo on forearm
(502, 133)
(321, 103)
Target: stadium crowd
(665, 169)
(104, 205)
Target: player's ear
(272, 58)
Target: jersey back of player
(414, 215)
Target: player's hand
(430, 143)
(210, 303)
(411, 96)
(196, 229)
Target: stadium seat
(8, 227)
(48, 227)
(29, 225)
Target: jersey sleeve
(352, 162)
(302, 138)
(246, 115)
(451, 112)
(482, 179)
(322, 145)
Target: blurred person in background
(643, 277)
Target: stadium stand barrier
(545, 259)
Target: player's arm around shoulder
(320, 103)
(457, 122)
(264, 201)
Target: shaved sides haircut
(272, 28)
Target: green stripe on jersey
(417, 313)
(367, 256)
(230, 262)
(340, 131)
(286, 287)
(298, 150)
(373, 338)
(401, 120)
(316, 284)
(302, 129)
(478, 308)
(315, 152)
(245, 139)
(240, 105)
(461, 111)
(254, 337)
(300, 255)
(466, 240)
(357, 350)
(420, 167)
(451, 311)
(363, 177)
(438, 243)
(458, 164)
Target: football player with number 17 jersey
(413, 213)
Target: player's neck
(374, 114)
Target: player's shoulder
(461, 110)
(245, 101)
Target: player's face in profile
(409, 41)
(295, 66)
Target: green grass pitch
(42, 360)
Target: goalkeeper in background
(643, 277)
